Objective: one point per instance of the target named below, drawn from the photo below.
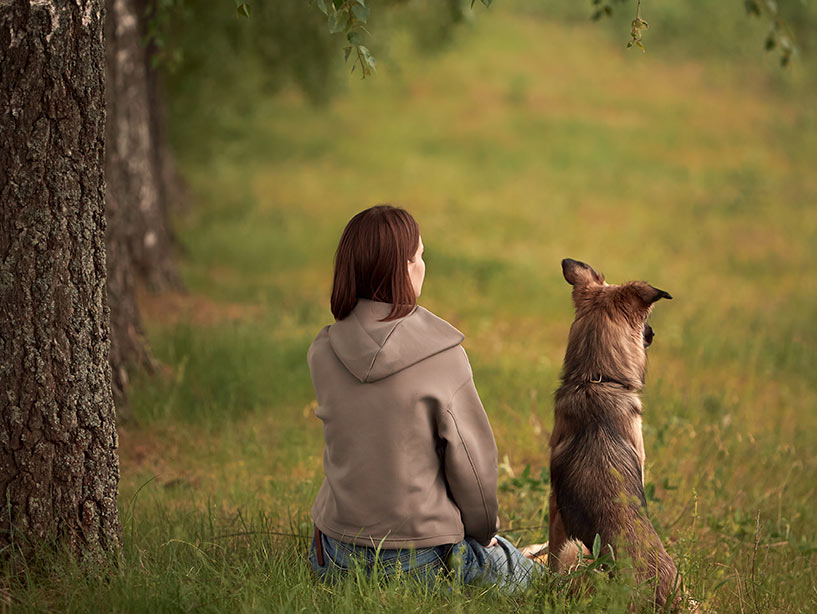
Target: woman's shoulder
(319, 343)
(434, 326)
(322, 336)
(447, 354)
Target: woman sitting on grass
(410, 458)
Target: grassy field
(523, 142)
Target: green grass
(524, 141)
(175, 562)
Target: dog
(597, 448)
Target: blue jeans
(467, 562)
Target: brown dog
(597, 449)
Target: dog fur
(597, 449)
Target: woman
(410, 458)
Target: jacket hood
(371, 349)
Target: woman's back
(410, 460)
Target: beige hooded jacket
(410, 458)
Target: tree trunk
(133, 146)
(140, 179)
(171, 185)
(128, 346)
(59, 470)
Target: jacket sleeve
(470, 462)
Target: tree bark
(59, 469)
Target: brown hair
(372, 261)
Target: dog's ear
(648, 294)
(580, 274)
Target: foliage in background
(218, 60)
(700, 28)
(208, 49)
(350, 18)
(275, 43)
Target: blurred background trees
(186, 72)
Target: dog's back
(597, 450)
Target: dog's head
(610, 333)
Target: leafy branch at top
(780, 35)
(604, 8)
(350, 17)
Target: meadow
(525, 140)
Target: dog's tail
(572, 555)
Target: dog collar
(603, 379)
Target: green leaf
(322, 7)
(353, 37)
(367, 56)
(752, 7)
(786, 43)
(337, 22)
(360, 12)
(242, 9)
(596, 546)
(346, 53)
(361, 2)
(487, 3)
(771, 43)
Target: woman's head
(379, 258)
